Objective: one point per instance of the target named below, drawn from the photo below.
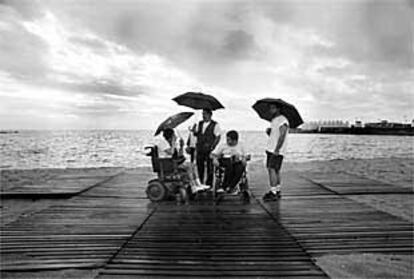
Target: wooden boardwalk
(59, 186)
(199, 241)
(114, 228)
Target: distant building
(320, 125)
(386, 124)
(358, 124)
(358, 128)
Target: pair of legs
(273, 164)
(233, 172)
(203, 159)
(192, 176)
(274, 177)
(191, 151)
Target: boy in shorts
(232, 156)
(275, 150)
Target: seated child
(232, 157)
(169, 149)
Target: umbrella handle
(179, 135)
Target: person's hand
(236, 158)
(268, 131)
(276, 152)
(216, 162)
(192, 128)
(244, 161)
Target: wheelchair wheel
(156, 191)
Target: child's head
(232, 138)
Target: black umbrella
(173, 121)
(198, 101)
(289, 111)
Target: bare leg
(278, 178)
(273, 177)
(194, 173)
(193, 178)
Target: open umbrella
(173, 121)
(288, 110)
(198, 101)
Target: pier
(106, 226)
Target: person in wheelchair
(173, 148)
(230, 155)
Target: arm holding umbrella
(283, 132)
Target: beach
(397, 172)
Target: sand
(395, 171)
(373, 266)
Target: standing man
(208, 136)
(275, 150)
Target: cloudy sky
(117, 63)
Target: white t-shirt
(163, 145)
(275, 125)
(227, 151)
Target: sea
(126, 148)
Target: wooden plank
(103, 228)
(212, 273)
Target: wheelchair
(172, 182)
(242, 186)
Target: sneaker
(279, 194)
(270, 196)
(204, 186)
(245, 197)
(199, 188)
(233, 192)
(220, 191)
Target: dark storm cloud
(106, 86)
(331, 56)
(389, 28)
(28, 9)
(235, 45)
(238, 44)
(368, 31)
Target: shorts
(274, 161)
